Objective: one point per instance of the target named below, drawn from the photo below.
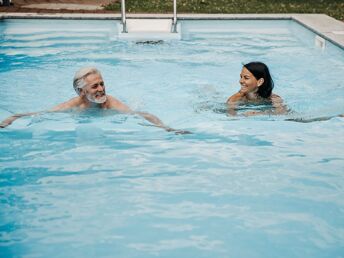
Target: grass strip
(334, 8)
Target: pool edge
(321, 24)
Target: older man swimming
(89, 85)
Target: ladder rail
(124, 19)
(174, 24)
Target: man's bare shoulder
(113, 103)
(72, 103)
(112, 100)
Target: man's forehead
(93, 76)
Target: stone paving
(57, 6)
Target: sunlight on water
(103, 184)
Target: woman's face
(249, 84)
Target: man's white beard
(96, 100)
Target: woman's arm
(233, 101)
(277, 103)
(278, 108)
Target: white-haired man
(89, 85)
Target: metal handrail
(124, 20)
(174, 24)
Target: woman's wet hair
(260, 70)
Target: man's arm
(11, 119)
(61, 107)
(158, 123)
(121, 107)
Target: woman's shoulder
(275, 98)
(280, 107)
(235, 97)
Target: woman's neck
(252, 96)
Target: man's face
(95, 89)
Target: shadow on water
(16, 176)
(244, 110)
(149, 42)
(110, 129)
(239, 139)
(313, 119)
(261, 111)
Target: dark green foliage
(334, 8)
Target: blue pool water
(102, 184)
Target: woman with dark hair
(256, 88)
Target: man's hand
(169, 129)
(10, 119)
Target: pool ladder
(149, 28)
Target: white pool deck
(323, 25)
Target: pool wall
(323, 25)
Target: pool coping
(321, 24)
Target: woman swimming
(256, 88)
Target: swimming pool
(101, 184)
